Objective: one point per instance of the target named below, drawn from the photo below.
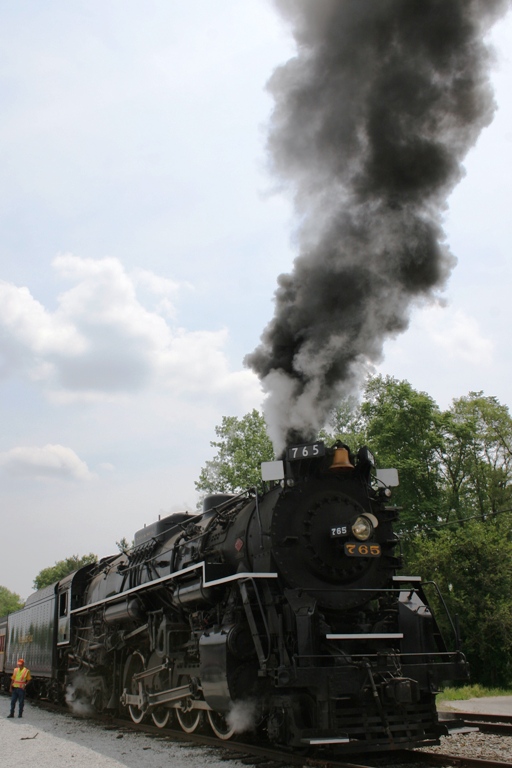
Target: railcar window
(63, 604)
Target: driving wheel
(220, 725)
(161, 715)
(135, 666)
(188, 718)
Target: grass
(471, 692)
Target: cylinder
(124, 611)
(193, 593)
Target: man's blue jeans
(18, 695)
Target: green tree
(9, 601)
(124, 545)
(472, 565)
(242, 445)
(403, 429)
(477, 458)
(61, 568)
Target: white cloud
(48, 462)
(162, 288)
(106, 466)
(458, 335)
(448, 352)
(25, 321)
(102, 342)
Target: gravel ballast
(484, 746)
(44, 739)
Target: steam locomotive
(279, 612)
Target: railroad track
(499, 724)
(253, 754)
(429, 759)
(267, 757)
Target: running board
(366, 636)
(326, 740)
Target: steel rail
(498, 724)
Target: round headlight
(362, 528)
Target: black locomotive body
(279, 611)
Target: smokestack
(372, 120)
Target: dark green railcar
(31, 636)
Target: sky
(141, 236)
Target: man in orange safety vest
(20, 678)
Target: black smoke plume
(372, 120)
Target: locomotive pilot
(20, 678)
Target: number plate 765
(353, 549)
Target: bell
(341, 460)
